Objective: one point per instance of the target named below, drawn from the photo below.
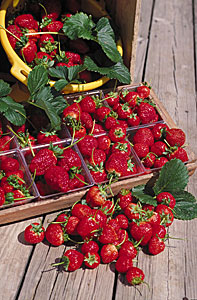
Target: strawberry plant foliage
(186, 206)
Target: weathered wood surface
(166, 57)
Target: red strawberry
(102, 112)
(166, 214)
(108, 207)
(159, 131)
(70, 226)
(112, 98)
(116, 165)
(122, 221)
(71, 158)
(5, 143)
(76, 182)
(147, 113)
(26, 21)
(53, 26)
(131, 98)
(104, 142)
(160, 162)
(72, 260)
(87, 227)
(100, 216)
(124, 111)
(28, 51)
(43, 160)
(133, 211)
(123, 263)
(9, 164)
(122, 237)
(141, 231)
(144, 136)
(72, 111)
(89, 246)
(149, 160)
(133, 120)
(86, 120)
(98, 129)
(92, 260)
(141, 149)
(175, 137)
(110, 122)
(2, 196)
(7, 188)
(109, 253)
(123, 147)
(179, 153)
(108, 235)
(117, 133)
(96, 196)
(32, 34)
(87, 144)
(135, 276)
(54, 234)
(73, 58)
(47, 137)
(156, 245)
(98, 156)
(34, 233)
(16, 31)
(81, 210)
(152, 217)
(159, 148)
(57, 178)
(143, 91)
(114, 223)
(88, 104)
(42, 58)
(128, 249)
(124, 197)
(78, 131)
(158, 230)
(167, 199)
(98, 173)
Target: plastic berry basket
(20, 69)
(16, 154)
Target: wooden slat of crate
(44, 206)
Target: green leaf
(59, 103)
(140, 193)
(118, 71)
(109, 46)
(79, 25)
(14, 112)
(103, 26)
(60, 84)
(44, 99)
(37, 78)
(186, 206)
(74, 70)
(173, 177)
(60, 72)
(5, 88)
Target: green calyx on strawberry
(73, 171)
(45, 22)
(96, 167)
(56, 150)
(36, 228)
(23, 41)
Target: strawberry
(112, 98)
(71, 260)
(117, 133)
(133, 120)
(2, 196)
(141, 232)
(135, 276)
(89, 246)
(43, 160)
(131, 98)
(159, 148)
(47, 44)
(149, 160)
(128, 249)
(102, 112)
(133, 211)
(122, 221)
(147, 113)
(178, 153)
(92, 260)
(79, 45)
(98, 172)
(100, 216)
(34, 233)
(57, 178)
(166, 214)
(110, 122)
(71, 225)
(16, 31)
(69, 158)
(72, 111)
(98, 129)
(160, 162)
(96, 196)
(5, 143)
(98, 156)
(51, 26)
(175, 137)
(156, 245)
(76, 182)
(143, 91)
(26, 21)
(6, 186)
(159, 131)
(167, 199)
(28, 50)
(123, 147)
(122, 237)
(81, 210)
(114, 223)
(158, 230)
(141, 149)
(73, 58)
(87, 227)
(123, 263)
(152, 217)
(124, 197)
(88, 104)
(116, 165)
(47, 137)
(32, 34)
(54, 234)
(144, 136)
(9, 164)
(87, 144)
(108, 207)
(77, 131)
(124, 111)
(109, 253)
(86, 120)
(104, 142)
(108, 235)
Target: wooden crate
(37, 208)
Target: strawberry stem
(7, 142)
(81, 180)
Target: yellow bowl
(19, 68)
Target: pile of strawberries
(107, 230)
(5, 138)
(37, 37)
(13, 187)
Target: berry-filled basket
(138, 167)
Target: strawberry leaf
(186, 206)
(14, 112)
(58, 72)
(5, 88)
(37, 79)
(141, 194)
(173, 177)
(79, 25)
(74, 70)
(117, 71)
(103, 26)
(60, 84)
